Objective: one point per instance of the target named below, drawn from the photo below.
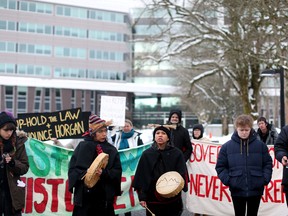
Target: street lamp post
(280, 71)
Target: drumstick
(150, 211)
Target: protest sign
(113, 108)
(47, 185)
(47, 180)
(63, 124)
(207, 195)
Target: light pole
(272, 72)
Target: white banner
(207, 195)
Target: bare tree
(224, 40)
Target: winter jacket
(281, 149)
(109, 184)
(180, 136)
(20, 167)
(271, 136)
(244, 165)
(153, 163)
(133, 141)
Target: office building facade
(71, 50)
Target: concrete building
(55, 56)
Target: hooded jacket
(180, 136)
(199, 127)
(20, 167)
(244, 165)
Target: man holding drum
(95, 186)
(161, 158)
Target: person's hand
(284, 161)
(143, 204)
(99, 171)
(7, 158)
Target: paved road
(142, 213)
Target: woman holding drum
(159, 189)
(95, 172)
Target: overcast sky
(114, 5)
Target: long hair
(12, 139)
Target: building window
(37, 100)
(83, 105)
(92, 102)
(47, 100)
(9, 98)
(58, 99)
(21, 99)
(73, 99)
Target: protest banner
(113, 108)
(207, 195)
(47, 186)
(47, 180)
(70, 123)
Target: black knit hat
(163, 128)
(6, 118)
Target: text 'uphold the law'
(63, 124)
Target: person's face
(101, 134)
(262, 125)
(161, 137)
(6, 133)
(127, 127)
(174, 119)
(243, 131)
(196, 133)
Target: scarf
(124, 136)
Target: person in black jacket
(281, 154)
(266, 132)
(180, 136)
(160, 158)
(99, 199)
(245, 165)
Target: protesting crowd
(161, 180)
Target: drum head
(169, 184)
(100, 162)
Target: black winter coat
(244, 165)
(147, 172)
(281, 149)
(180, 138)
(109, 184)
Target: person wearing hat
(99, 199)
(197, 134)
(180, 136)
(266, 132)
(160, 158)
(13, 164)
